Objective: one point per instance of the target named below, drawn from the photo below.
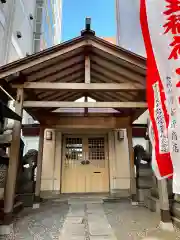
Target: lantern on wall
(48, 135)
(120, 135)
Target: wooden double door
(85, 164)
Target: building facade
(91, 151)
(129, 36)
(27, 27)
(128, 29)
(16, 29)
(48, 24)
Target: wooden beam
(55, 68)
(83, 86)
(87, 122)
(67, 73)
(134, 60)
(40, 58)
(87, 69)
(118, 70)
(57, 104)
(90, 114)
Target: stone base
(175, 212)
(117, 195)
(6, 229)
(167, 226)
(120, 193)
(134, 203)
(175, 209)
(142, 194)
(50, 194)
(27, 199)
(176, 222)
(152, 204)
(7, 218)
(134, 200)
(165, 216)
(37, 199)
(36, 205)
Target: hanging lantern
(48, 135)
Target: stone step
(175, 209)
(84, 200)
(115, 199)
(176, 222)
(152, 204)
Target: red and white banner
(160, 73)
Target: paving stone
(95, 218)
(71, 237)
(97, 229)
(104, 238)
(137, 223)
(74, 220)
(73, 229)
(89, 221)
(75, 214)
(44, 223)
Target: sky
(101, 12)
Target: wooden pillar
(133, 190)
(39, 165)
(14, 156)
(164, 203)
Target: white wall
(30, 143)
(140, 141)
(119, 162)
(58, 21)
(143, 119)
(48, 167)
(14, 16)
(23, 24)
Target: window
(96, 148)
(73, 148)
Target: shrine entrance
(54, 79)
(85, 164)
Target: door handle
(97, 172)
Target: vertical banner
(152, 28)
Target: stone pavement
(87, 219)
(44, 223)
(135, 223)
